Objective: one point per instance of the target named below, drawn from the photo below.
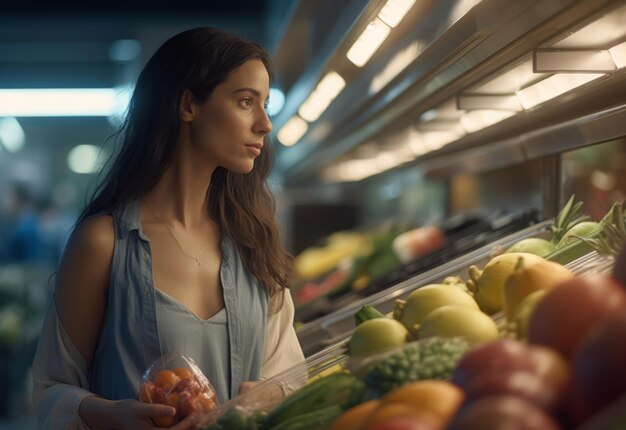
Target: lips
(258, 146)
(255, 148)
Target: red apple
(497, 356)
(568, 311)
(518, 383)
(550, 365)
(503, 412)
(599, 365)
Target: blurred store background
(471, 120)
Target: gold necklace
(197, 257)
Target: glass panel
(596, 174)
(512, 189)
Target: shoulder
(94, 236)
(90, 246)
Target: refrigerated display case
(490, 112)
(467, 107)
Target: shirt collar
(129, 220)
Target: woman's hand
(129, 414)
(133, 414)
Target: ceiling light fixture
(552, 87)
(58, 102)
(368, 42)
(394, 10)
(322, 96)
(292, 131)
(618, 53)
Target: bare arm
(81, 298)
(82, 283)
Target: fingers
(186, 424)
(142, 409)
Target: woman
(178, 250)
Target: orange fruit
(172, 399)
(439, 398)
(144, 392)
(166, 379)
(183, 373)
(386, 412)
(164, 421)
(354, 417)
(207, 401)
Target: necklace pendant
(198, 260)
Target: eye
(246, 102)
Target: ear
(187, 106)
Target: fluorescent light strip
(11, 134)
(58, 102)
(423, 142)
(292, 131)
(398, 63)
(476, 120)
(618, 53)
(552, 87)
(508, 102)
(394, 10)
(322, 96)
(368, 42)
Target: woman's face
(230, 125)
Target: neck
(180, 195)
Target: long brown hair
(242, 204)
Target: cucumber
(315, 420)
(367, 312)
(234, 419)
(340, 389)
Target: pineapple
(613, 234)
(566, 219)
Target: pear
(488, 284)
(525, 311)
(421, 302)
(528, 277)
(459, 321)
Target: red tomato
(187, 404)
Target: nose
(263, 125)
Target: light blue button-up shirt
(261, 345)
(129, 342)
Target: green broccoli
(434, 359)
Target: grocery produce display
(351, 265)
(524, 342)
(549, 379)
